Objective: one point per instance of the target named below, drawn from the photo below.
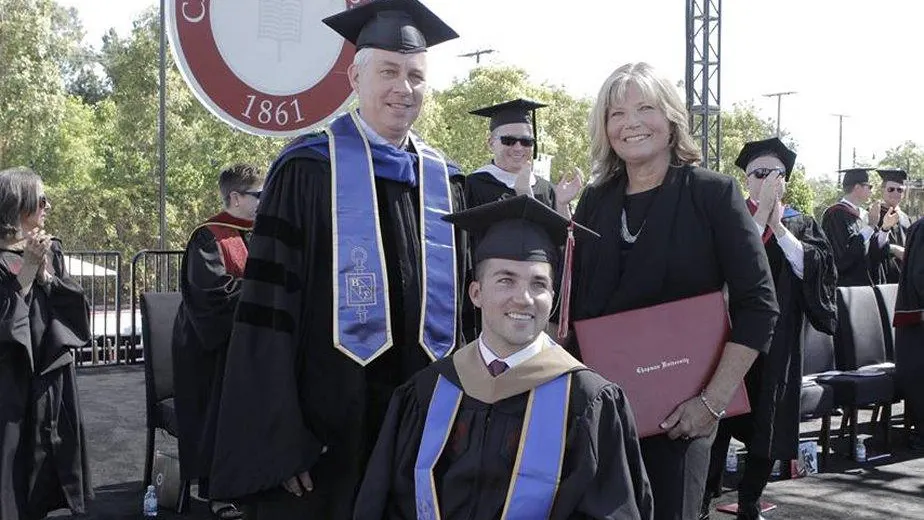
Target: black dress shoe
(749, 512)
(704, 509)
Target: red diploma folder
(660, 356)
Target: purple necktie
(497, 367)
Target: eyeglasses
(763, 173)
(893, 189)
(510, 140)
(255, 194)
(42, 201)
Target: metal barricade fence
(100, 275)
(152, 270)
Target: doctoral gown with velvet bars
(43, 458)
(292, 402)
(602, 476)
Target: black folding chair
(817, 399)
(158, 313)
(859, 347)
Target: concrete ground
(890, 487)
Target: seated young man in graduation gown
(511, 426)
(805, 278)
(909, 332)
(210, 282)
(854, 233)
(351, 284)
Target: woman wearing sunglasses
(43, 462)
(669, 231)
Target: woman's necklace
(628, 236)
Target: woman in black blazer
(670, 230)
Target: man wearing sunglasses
(211, 275)
(893, 192)
(805, 276)
(512, 141)
(855, 234)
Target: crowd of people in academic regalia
(368, 333)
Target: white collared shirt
(503, 176)
(374, 136)
(517, 357)
(792, 248)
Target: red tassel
(564, 315)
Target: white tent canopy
(77, 267)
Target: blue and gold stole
(537, 470)
(362, 315)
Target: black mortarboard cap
(519, 228)
(516, 111)
(404, 26)
(893, 174)
(772, 146)
(855, 176)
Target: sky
(852, 57)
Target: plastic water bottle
(731, 460)
(150, 503)
(859, 451)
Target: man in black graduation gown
(351, 285)
(909, 332)
(210, 282)
(513, 143)
(858, 241)
(511, 426)
(805, 279)
(893, 192)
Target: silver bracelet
(718, 415)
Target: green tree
(37, 40)
(446, 121)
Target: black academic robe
(602, 477)
(774, 382)
(909, 333)
(858, 261)
(200, 343)
(43, 459)
(291, 402)
(482, 188)
(698, 237)
(898, 235)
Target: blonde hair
(659, 91)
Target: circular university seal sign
(267, 67)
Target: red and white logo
(267, 67)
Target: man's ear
(474, 292)
(353, 74)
